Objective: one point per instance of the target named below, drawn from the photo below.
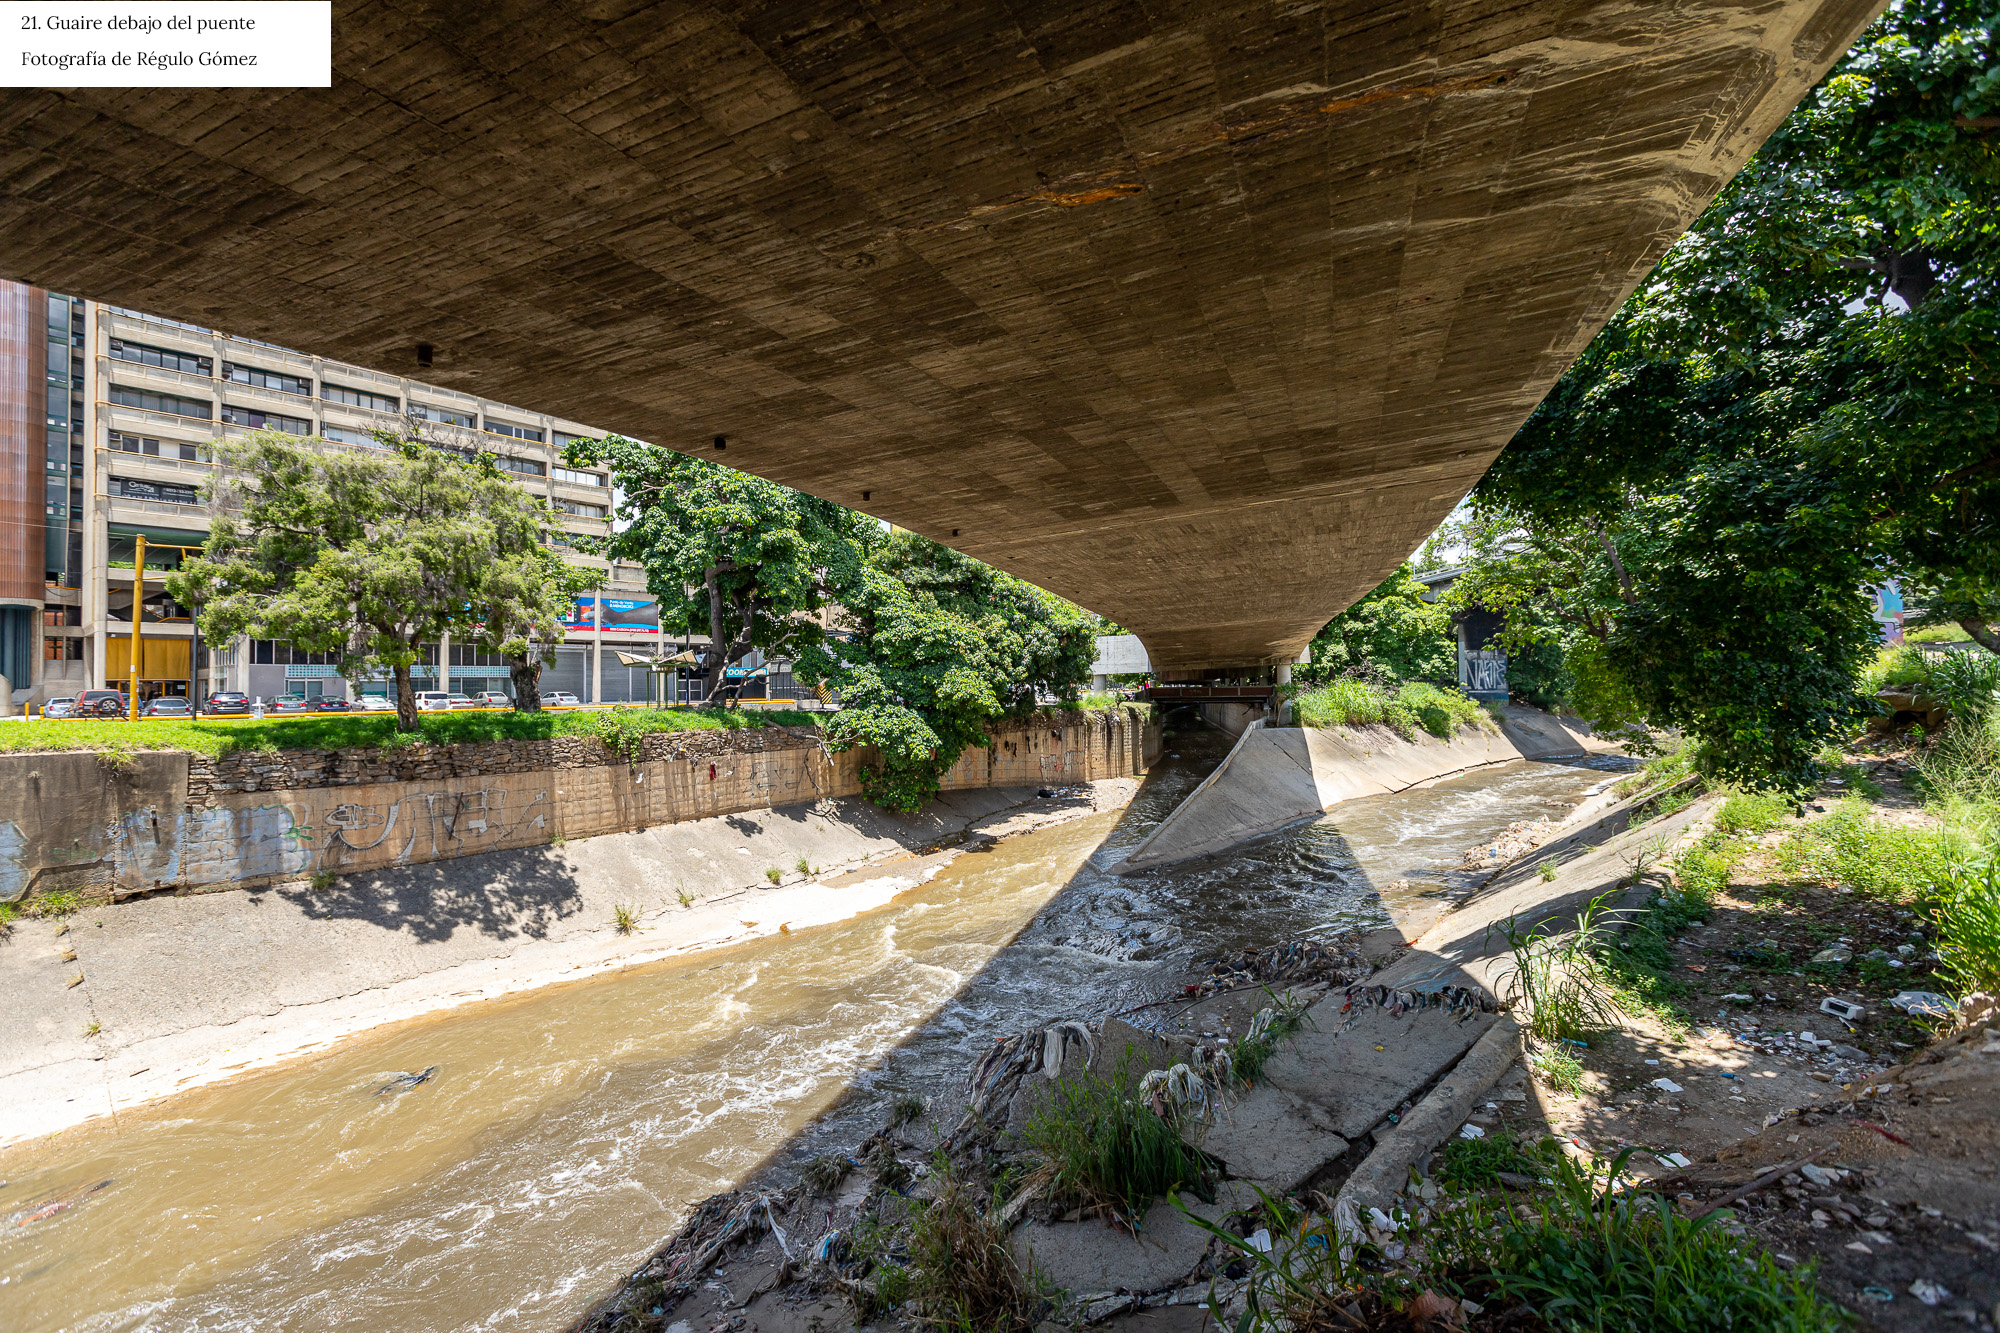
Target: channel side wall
(170, 820)
(1276, 776)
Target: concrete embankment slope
(74, 821)
(120, 1003)
(1278, 775)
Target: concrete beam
(1201, 314)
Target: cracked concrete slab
(1093, 1257)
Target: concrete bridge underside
(1199, 313)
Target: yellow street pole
(138, 598)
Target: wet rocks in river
(405, 1081)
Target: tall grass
(1589, 1256)
(1968, 919)
(1851, 847)
(1407, 708)
(1107, 1150)
(962, 1276)
(1555, 974)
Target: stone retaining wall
(169, 820)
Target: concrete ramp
(1276, 776)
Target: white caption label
(193, 44)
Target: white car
(433, 701)
(491, 699)
(560, 699)
(463, 701)
(376, 703)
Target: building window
(267, 379)
(374, 402)
(145, 444)
(163, 357)
(575, 478)
(172, 404)
(167, 492)
(258, 419)
(563, 439)
(518, 432)
(425, 412)
(342, 435)
(527, 467)
(62, 650)
(580, 509)
(277, 652)
(55, 613)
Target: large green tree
(745, 561)
(1801, 401)
(1393, 631)
(366, 553)
(936, 647)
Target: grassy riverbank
(221, 736)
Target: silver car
(63, 707)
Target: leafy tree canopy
(1392, 632)
(937, 647)
(745, 561)
(368, 554)
(1798, 403)
(522, 601)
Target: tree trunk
(406, 700)
(1981, 632)
(711, 678)
(526, 673)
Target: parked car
(463, 701)
(63, 707)
(289, 704)
(432, 701)
(167, 705)
(559, 699)
(332, 703)
(377, 703)
(492, 699)
(102, 703)
(227, 701)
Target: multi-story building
(108, 424)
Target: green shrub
(1966, 683)
(1102, 1147)
(1339, 703)
(1440, 712)
(1902, 665)
(1347, 702)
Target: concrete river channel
(567, 1131)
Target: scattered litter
(43, 1209)
(1929, 1292)
(1652, 1062)
(1882, 1294)
(1858, 1247)
(1844, 1010)
(1924, 1003)
(404, 1082)
(1666, 1085)
(1464, 1001)
(1260, 1241)
(1727, 1074)
(1833, 953)
(1675, 1159)
(1471, 1132)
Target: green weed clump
(1560, 1070)
(1556, 975)
(1703, 870)
(1105, 1149)
(54, 906)
(1272, 1024)
(1968, 920)
(962, 1276)
(1752, 813)
(1477, 1163)
(1590, 1257)
(1901, 666)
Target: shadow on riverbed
(506, 895)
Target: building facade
(109, 420)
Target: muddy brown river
(567, 1131)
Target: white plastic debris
(1667, 1085)
(1260, 1241)
(1738, 995)
(1675, 1159)
(1925, 1003)
(1929, 1292)
(1471, 1132)
(1844, 1010)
